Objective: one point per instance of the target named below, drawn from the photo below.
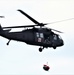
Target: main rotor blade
(33, 20)
(56, 30)
(61, 20)
(20, 26)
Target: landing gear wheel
(54, 47)
(8, 42)
(40, 49)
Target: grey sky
(20, 58)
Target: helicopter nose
(62, 42)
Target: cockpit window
(59, 37)
(55, 37)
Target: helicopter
(37, 34)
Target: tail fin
(1, 28)
(1, 31)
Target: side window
(39, 35)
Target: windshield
(59, 37)
(55, 37)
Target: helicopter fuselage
(35, 36)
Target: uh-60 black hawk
(33, 35)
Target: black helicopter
(33, 35)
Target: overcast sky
(20, 58)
